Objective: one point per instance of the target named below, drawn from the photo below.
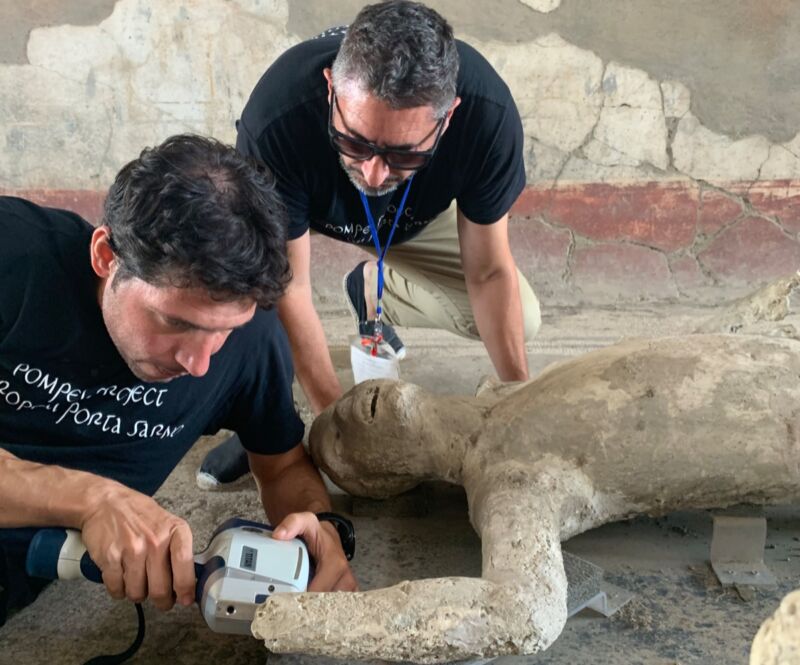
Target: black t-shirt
(68, 398)
(478, 162)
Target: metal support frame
(737, 551)
(609, 600)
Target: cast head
(193, 239)
(372, 442)
(393, 85)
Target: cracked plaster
(706, 155)
(156, 68)
(747, 53)
(631, 130)
(544, 6)
(677, 99)
(543, 163)
(557, 87)
(580, 169)
(783, 161)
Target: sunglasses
(403, 160)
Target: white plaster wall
(93, 96)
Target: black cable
(115, 659)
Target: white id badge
(384, 365)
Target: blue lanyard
(374, 231)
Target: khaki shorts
(424, 283)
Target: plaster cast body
(778, 640)
(645, 426)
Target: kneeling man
(121, 345)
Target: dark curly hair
(193, 212)
(402, 52)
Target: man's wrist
(98, 492)
(324, 396)
(517, 374)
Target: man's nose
(195, 353)
(375, 171)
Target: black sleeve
(8, 285)
(493, 187)
(273, 149)
(15, 245)
(262, 412)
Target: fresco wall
(662, 144)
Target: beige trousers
(424, 283)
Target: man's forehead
(356, 99)
(197, 306)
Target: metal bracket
(737, 551)
(586, 587)
(609, 599)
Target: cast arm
(516, 608)
(493, 289)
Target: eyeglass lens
(360, 151)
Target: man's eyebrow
(401, 146)
(175, 320)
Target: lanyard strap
(374, 231)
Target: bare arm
(493, 288)
(70, 497)
(289, 483)
(292, 491)
(142, 550)
(312, 360)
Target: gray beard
(369, 191)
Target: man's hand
(333, 572)
(142, 550)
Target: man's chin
(154, 373)
(376, 191)
(388, 187)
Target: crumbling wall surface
(662, 144)
(92, 96)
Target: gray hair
(402, 52)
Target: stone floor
(679, 615)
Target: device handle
(59, 554)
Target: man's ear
(104, 261)
(452, 108)
(328, 74)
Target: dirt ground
(679, 615)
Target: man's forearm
(312, 360)
(498, 314)
(298, 488)
(33, 494)
(142, 550)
